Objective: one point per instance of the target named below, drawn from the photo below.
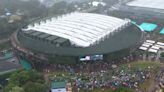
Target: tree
(8, 88)
(17, 89)
(26, 81)
(19, 78)
(34, 87)
(22, 77)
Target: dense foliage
(29, 10)
(26, 81)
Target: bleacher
(47, 38)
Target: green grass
(59, 75)
(97, 90)
(120, 89)
(141, 65)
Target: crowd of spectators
(90, 75)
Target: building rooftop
(55, 85)
(157, 4)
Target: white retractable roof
(82, 29)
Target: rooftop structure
(81, 29)
(157, 4)
(141, 10)
(78, 35)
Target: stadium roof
(81, 29)
(157, 4)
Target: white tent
(146, 45)
(143, 48)
(153, 50)
(150, 41)
(160, 43)
(155, 47)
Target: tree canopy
(26, 81)
(34, 87)
(17, 89)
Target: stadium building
(77, 37)
(142, 9)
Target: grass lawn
(120, 89)
(141, 65)
(98, 90)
